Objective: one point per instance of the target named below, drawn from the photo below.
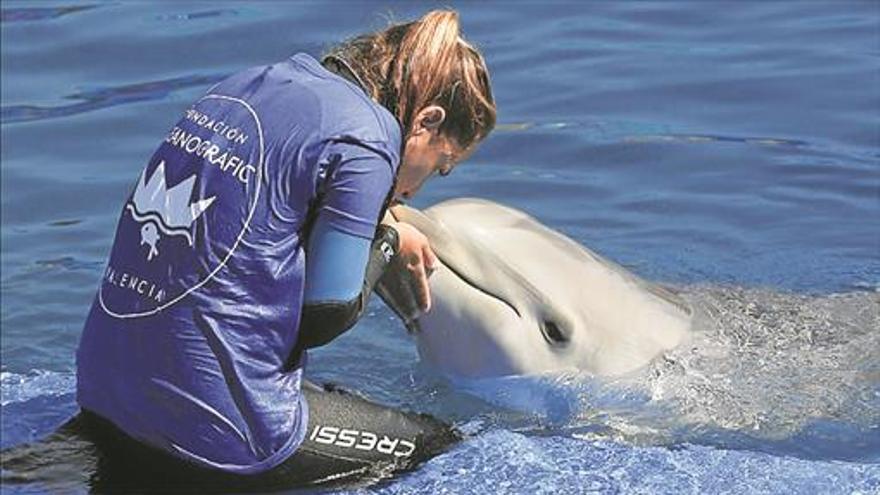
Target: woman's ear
(431, 117)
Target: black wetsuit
(350, 439)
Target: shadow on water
(106, 97)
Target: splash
(769, 362)
(17, 388)
(777, 372)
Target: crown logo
(164, 210)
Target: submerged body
(350, 440)
(513, 297)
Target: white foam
(15, 387)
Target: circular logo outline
(260, 170)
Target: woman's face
(427, 152)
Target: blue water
(731, 150)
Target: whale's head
(513, 297)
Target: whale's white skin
(513, 297)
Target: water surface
(731, 150)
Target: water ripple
(106, 97)
(25, 14)
(636, 132)
(204, 14)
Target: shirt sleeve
(357, 184)
(335, 264)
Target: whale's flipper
(349, 440)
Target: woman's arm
(420, 260)
(341, 255)
(341, 273)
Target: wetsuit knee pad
(353, 437)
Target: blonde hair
(409, 66)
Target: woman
(253, 234)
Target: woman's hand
(419, 259)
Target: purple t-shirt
(198, 309)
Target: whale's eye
(553, 333)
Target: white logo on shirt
(160, 209)
(161, 213)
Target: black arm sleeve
(321, 322)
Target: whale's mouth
(474, 285)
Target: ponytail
(410, 66)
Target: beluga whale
(513, 297)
